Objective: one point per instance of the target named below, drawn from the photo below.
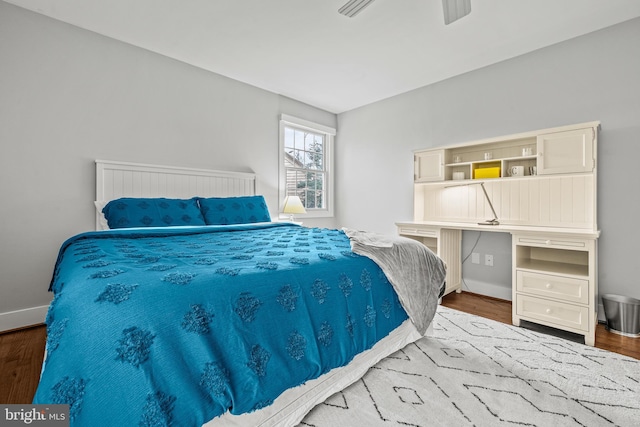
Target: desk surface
(504, 228)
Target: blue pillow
(154, 212)
(234, 210)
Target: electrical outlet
(488, 260)
(475, 258)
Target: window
(305, 160)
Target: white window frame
(329, 133)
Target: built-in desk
(554, 270)
(542, 187)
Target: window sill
(308, 215)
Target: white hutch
(542, 187)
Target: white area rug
(478, 372)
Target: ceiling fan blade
(353, 7)
(455, 9)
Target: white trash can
(623, 314)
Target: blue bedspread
(177, 326)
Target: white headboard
(122, 179)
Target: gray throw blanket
(415, 272)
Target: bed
(202, 311)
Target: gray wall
(69, 96)
(593, 77)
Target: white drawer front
(552, 312)
(550, 242)
(418, 232)
(550, 286)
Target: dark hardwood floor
(21, 351)
(21, 354)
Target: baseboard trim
(19, 319)
(477, 295)
(487, 289)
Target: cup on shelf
(527, 151)
(516, 171)
(488, 156)
(458, 175)
(457, 159)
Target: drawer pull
(548, 286)
(548, 311)
(548, 242)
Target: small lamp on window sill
(293, 205)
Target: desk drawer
(426, 232)
(551, 286)
(551, 242)
(553, 312)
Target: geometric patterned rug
(478, 372)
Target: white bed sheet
(291, 406)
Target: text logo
(36, 415)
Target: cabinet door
(566, 152)
(429, 166)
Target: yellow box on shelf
(482, 173)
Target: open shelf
(554, 261)
(529, 163)
(555, 267)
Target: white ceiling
(305, 50)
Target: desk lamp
(493, 221)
